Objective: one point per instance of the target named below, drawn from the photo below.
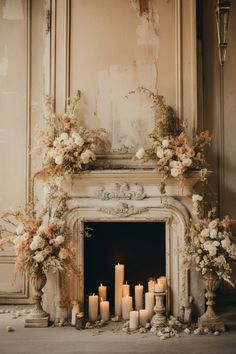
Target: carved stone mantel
(132, 195)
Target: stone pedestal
(38, 317)
(209, 320)
(159, 319)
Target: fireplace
(139, 245)
(112, 201)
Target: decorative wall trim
(15, 296)
(122, 191)
(122, 209)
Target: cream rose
(174, 172)
(187, 162)
(59, 160)
(140, 153)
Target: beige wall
(211, 109)
(23, 63)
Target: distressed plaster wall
(115, 49)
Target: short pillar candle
(138, 294)
(127, 306)
(102, 292)
(133, 320)
(105, 310)
(143, 317)
(93, 308)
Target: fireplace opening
(140, 246)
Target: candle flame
(101, 299)
(126, 282)
(100, 284)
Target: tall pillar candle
(119, 280)
(127, 306)
(105, 310)
(125, 290)
(159, 287)
(143, 317)
(133, 320)
(102, 292)
(138, 294)
(162, 280)
(151, 285)
(93, 308)
(149, 303)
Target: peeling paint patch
(13, 10)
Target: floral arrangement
(170, 148)
(67, 146)
(40, 244)
(210, 244)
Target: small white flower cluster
(67, 146)
(42, 246)
(210, 247)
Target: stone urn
(38, 317)
(209, 320)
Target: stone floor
(109, 340)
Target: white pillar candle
(163, 281)
(159, 288)
(105, 310)
(149, 303)
(93, 308)
(143, 317)
(102, 292)
(133, 320)
(119, 281)
(125, 290)
(138, 293)
(127, 306)
(151, 285)
(74, 311)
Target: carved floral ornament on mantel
(123, 209)
(122, 191)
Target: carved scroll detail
(122, 191)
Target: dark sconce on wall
(222, 22)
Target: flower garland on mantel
(170, 148)
(67, 146)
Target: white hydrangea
(165, 143)
(174, 172)
(64, 136)
(39, 257)
(197, 198)
(86, 156)
(140, 153)
(59, 239)
(160, 153)
(79, 141)
(36, 243)
(213, 224)
(205, 232)
(59, 160)
(226, 243)
(187, 162)
(213, 233)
